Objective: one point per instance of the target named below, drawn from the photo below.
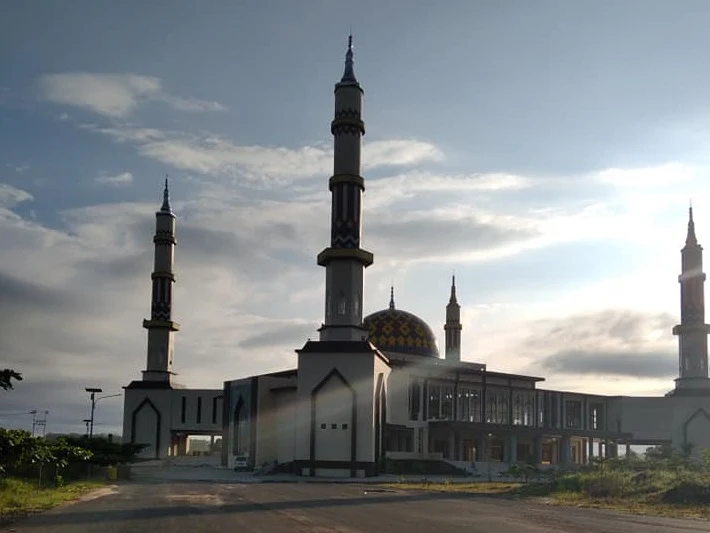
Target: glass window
(573, 414)
(447, 403)
(414, 400)
(434, 402)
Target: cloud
(399, 152)
(654, 364)
(612, 342)
(282, 333)
(255, 165)
(122, 179)
(190, 104)
(382, 192)
(446, 233)
(113, 95)
(11, 196)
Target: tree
(6, 377)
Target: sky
(544, 152)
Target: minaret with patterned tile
(692, 331)
(161, 327)
(344, 260)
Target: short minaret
(161, 326)
(344, 260)
(452, 328)
(692, 331)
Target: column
(591, 449)
(481, 450)
(512, 444)
(537, 450)
(565, 451)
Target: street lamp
(94, 401)
(93, 391)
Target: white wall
(358, 369)
(286, 424)
(168, 402)
(672, 418)
(206, 420)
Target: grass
(19, 497)
(682, 494)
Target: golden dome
(393, 330)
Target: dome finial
(349, 73)
(392, 297)
(166, 197)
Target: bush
(26, 456)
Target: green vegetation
(6, 377)
(38, 473)
(20, 497)
(661, 483)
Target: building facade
(374, 388)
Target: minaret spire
(691, 239)
(452, 298)
(344, 260)
(692, 331)
(161, 326)
(166, 198)
(452, 327)
(392, 297)
(349, 73)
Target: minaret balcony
(346, 178)
(680, 329)
(161, 324)
(358, 254)
(164, 237)
(162, 274)
(346, 124)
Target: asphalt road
(207, 507)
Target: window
(323, 426)
(573, 414)
(334, 426)
(596, 412)
(199, 409)
(345, 426)
(183, 409)
(554, 420)
(342, 304)
(414, 400)
(447, 403)
(469, 405)
(497, 407)
(523, 408)
(214, 410)
(434, 402)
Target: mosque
(375, 389)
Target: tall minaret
(692, 331)
(161, 326)
(453, 327)
(344, 260)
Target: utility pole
(93, 391)
(38, 422)
(87, 421)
